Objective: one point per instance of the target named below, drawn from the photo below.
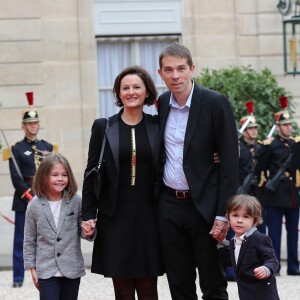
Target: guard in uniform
(249, 152)
(280, 165)
(24, 159)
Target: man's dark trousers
(187, 244)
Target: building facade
(69, 52)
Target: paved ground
(96, 287)
(100, 288)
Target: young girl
(250, 252)
(52, 231)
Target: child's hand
(260, 273)
(34, 277)
(88, 227)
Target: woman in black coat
(127, 246)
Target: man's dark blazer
(210, 128)
(108, 200)
(256, 251)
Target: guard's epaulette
(6, 154)
(296, 139)
(268, 141)
(55, 148)
(297, 183)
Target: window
(115, 54)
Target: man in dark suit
(24, 158)
(195, 123)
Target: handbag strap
(103, 145)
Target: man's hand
(219, 230)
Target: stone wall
(49, 47)
(237, 32)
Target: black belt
(179, 194)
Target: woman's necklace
(133, 145)
(133, 156)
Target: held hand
(87, 231)
(216, 231)
(260, 273)
(34, 278)
(88, 227)
(89, 223)
(219, 230)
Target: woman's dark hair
(146, 78)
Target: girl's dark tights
(146, 288)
